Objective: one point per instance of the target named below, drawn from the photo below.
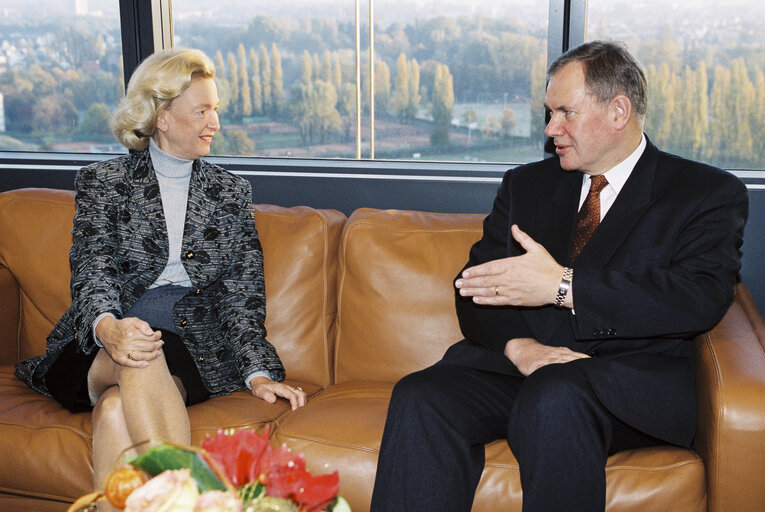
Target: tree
(492, 128)
(314, 110)
(721, 122)
(257, 91)
(508, 122)
(413, 105)
(469, 119)
(220, 68)
(19, 107)
(326, 67)
(235, 104)
(382, 86)
(400, 97)
(744, 95)
(347, 109)
(538, 89)
(54, 115)
(327, 116)
(245, 97)
(277, 81)
(306, 68)
(661, 115)
(239, 143)
(96, 120)
(265, 78)
(337, 74)
(442, 101)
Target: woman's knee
(108, 408)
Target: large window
(60, 75)
(705, 62)
(457, 81)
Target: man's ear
(621, 109)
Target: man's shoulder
(685, 174)
(537, 174)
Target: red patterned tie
(589, 215)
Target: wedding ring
(299, 388)
(130, 356)
(496, 291)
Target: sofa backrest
(300, 264)
(300, 258)
(35, 237)
(396, 309)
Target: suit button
(597, 333)
(201, 359)
(189, 255)
(611, 332)
(197, 292)
(184, 321)
(593, 352)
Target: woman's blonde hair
(155, 83)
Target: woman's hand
(129, 341)
(266, 389)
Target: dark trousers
(439, 419)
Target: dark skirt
(67, 378)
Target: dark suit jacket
(659, 269)
(120, 247)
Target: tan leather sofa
(353, 305)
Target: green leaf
(163, 457)
(251, 491)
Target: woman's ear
(162, 120)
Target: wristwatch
(565, 285)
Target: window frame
(146, 25)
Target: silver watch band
(565, 285)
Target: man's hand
(531, 279)
(129, 341)
(528, 355)
(266, 389)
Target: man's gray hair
(609, 70)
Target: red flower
(247, 457)
(240, 455)
(288, 478)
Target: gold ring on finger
(130, 356)
(496, 291)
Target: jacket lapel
(634, 198)
(146, 194)
(555, 218)
(204, 196)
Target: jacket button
(197, 292)
(184, 321)
(597, 333)
(201, 358)
(611, 332)
(189, 255)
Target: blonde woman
(168, 300)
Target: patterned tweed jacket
(120, 247)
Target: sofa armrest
(9, 318)
(730, 388)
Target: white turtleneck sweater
(173, 175)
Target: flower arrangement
(232, 472)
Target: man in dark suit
(595, 271)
